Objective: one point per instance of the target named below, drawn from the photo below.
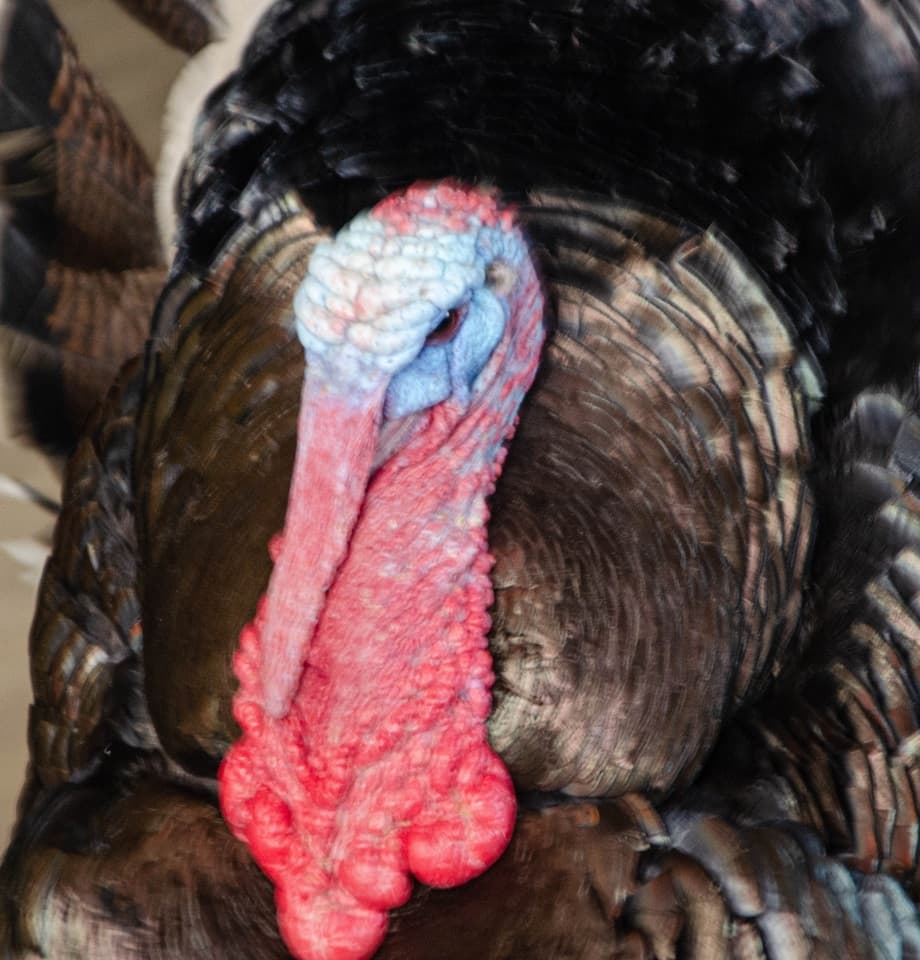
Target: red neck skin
(374, 764)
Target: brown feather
(643, 551)
(186, 24)
(81, 259)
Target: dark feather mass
(705, 627)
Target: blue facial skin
(450, 368)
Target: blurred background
(136, 69)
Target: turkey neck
(410, 566)
(335, 442)
(408, 607)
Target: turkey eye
(445, 330)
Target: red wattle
(382, 767)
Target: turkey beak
(336, 441)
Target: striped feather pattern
(186, 24)
(103, 180)
(65, 370)
(838, 748)
(86, 635)
(98, 202)
(81, 262)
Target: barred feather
(80, 262)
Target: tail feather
(68, 332)
(186, 24)
(80, 260)
(834, 746)
(807, 817)
(68, 155)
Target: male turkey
(483, 221)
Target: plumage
(186, 24)
(835, 745)
(703, 631)
(81, 260)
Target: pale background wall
(136, 69)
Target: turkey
(506, 543)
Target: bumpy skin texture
(120, 859)
(380, 767)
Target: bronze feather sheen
(86, 635)
(83, 266)
(836, 745)
(123, 742)
(653, 520)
